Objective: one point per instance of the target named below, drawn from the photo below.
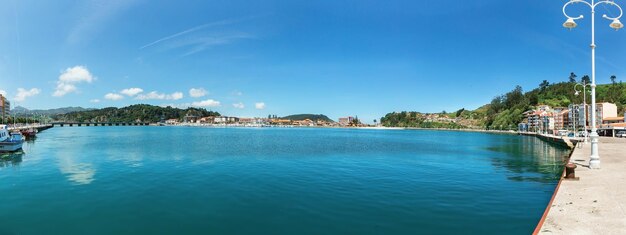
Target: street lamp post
(570, 23)
(584, 85)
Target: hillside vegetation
(506, 111)
(138, 112)
(24, 112)
(313, 117)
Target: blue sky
(254, 58)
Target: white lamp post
(584, 85)
(594, 161)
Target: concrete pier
(596, 202)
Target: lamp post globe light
(570, 23)
(577, 92)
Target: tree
(544, 84)
(514, 97)
(572, 77)
(459, 112)
(356, 121)
(614, 90)
(585, 79)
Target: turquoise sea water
(184, 180)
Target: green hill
(313, 117)
(141, 112)
(24, 112)
(506, 111)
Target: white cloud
(76, 74)
(206, 103)
(259, 105)
(3, 93)
(94, 101)
(22, 93)
(239, 105)
(237, 93)
(131, 91)
(113, 96)
(70, 77)
(160, 96)
(63, 88)
(197, 92)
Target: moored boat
(29, 133)
(10, 142)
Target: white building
(605, 110)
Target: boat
(10, 142)
(30, 133)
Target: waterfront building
(280, 121)
(252, 121)
(344, 121)
(209, 119)
(577, 115)
(190, 118)
(305, 122)
(534, 120)
(523, 127)
(246, 121)
(225, 120)
(171, 121)
(561, 119)
(605, 110)
(547, 122)
(612, 120)
(5, 107)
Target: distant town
(259, 122)
(574, 119)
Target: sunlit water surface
(184, 180)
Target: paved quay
(596, 203)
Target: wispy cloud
(131, 91)
(190, 30)
(160, 96)
(197, 92)
(94, 101)
(199, 44)
(259, 105)
(207, 103)
(93, 16)
(113, 96)
(239, 105)
(195, 43)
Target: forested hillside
(313, 117)
(138, 112)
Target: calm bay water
(183, 180)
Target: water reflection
(530, 159)
(11, 159)
(76, 172)
(80, 173)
